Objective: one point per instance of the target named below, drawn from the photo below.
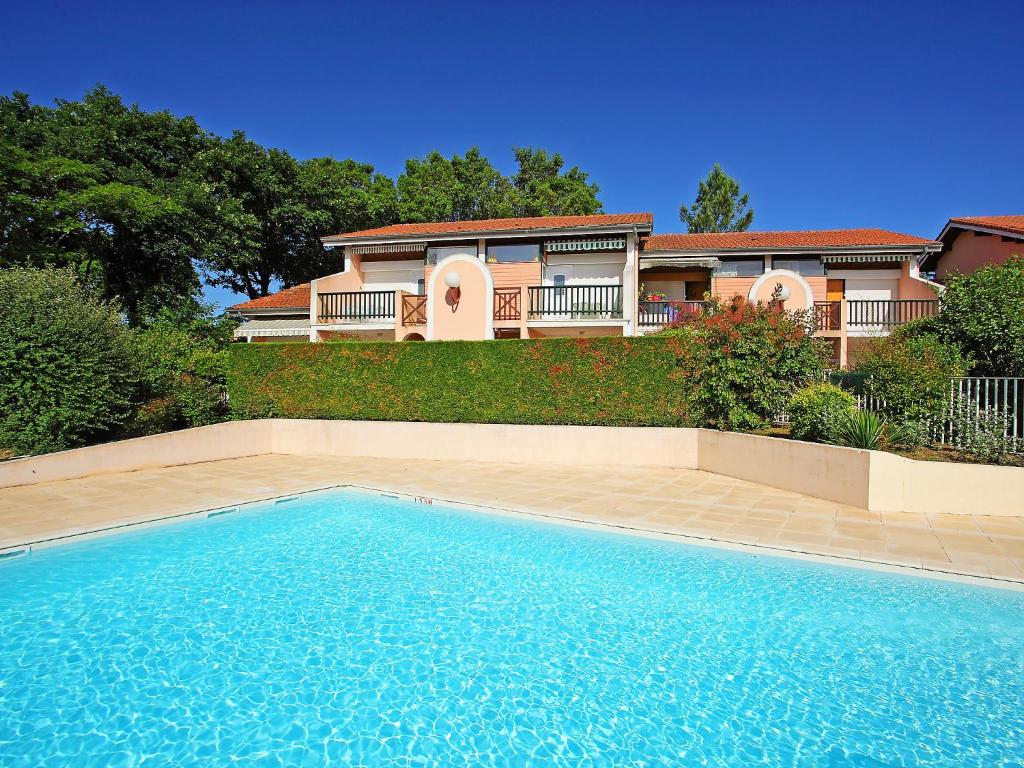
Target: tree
(464, 188)
(265, 212)
(983, 313)
(95, 184)
(461, 188)
(68, 370)
(541, 189)
(719, 206)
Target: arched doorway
(413, 337)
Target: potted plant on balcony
(657, 296)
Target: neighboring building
(591, 276)
(282, 316)
(970, 242)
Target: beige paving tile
(688, 502)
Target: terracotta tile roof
(295, 297)
(1013, 225)
(825, 238)
(500, 225)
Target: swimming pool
(361, 630)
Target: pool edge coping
(19, 551)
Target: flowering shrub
(742, 361)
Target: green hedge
(611, 381)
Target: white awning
(388, 248)
(250, 328)
(704, 262)
(864, 258)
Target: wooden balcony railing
(575, 302)
(669, 312)
(865, 314)
(360, 306)
(506, 303)
(828, 315)
(414, 309)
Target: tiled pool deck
(666, 501)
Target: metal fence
(973, 397)
(977, 395)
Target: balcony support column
(630, 290)
(844, 316)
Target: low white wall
(229, 440)
(824, 471)
(513, 443)
(866, 479)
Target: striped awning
(586, 244)
(864, 258)
(278, 327)
(388, 248)
(705, 262)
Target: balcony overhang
(702, 262)
(366, 250)
(865, 258)
(262, 328)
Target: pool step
(14, 554)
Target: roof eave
(639, 227)
(812, 249)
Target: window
(513, 254)
(421, 287)
(436, 254)
(559, 282)
(740, 268)
(808, 266)
(695, 291)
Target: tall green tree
(459, 188)
(468, 187)
(95, 184)
(719, 206)
(540, 188)
(265, 212)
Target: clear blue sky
(830, 114)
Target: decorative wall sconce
(453, 281)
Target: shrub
(815, 407)
(980, 434)
(613, 381)
(68, 372)
(743, 361)
(909, 375)
(858, 429)
(983, 313)
(184, 355)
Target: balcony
(659, 313)
(884, 315)
(575, 302)
(414, 309)
(357, 307)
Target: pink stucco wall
(970, 251)
(468, 318)
(910, 288)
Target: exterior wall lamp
(453, 281)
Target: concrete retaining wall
(229, 440)
(518, 444)
(866, 479)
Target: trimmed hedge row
(607, 381)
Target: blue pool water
(352, 629)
